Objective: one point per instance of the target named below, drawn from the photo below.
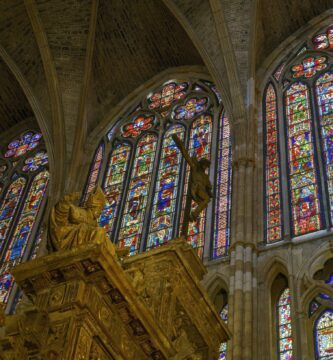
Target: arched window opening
(24, 176)
(298, 145)
(285, 340)
(146, 178)
(224, 345)
(323, 335)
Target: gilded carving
(72, 226)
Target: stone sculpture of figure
(72, 226)
(199, 184)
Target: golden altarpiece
(88, 300)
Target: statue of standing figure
(200, 187)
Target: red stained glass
(324, 91)
(94, 172)
(309, 67)
(302, 168)
(272, 169)
(139, 124)
(324, 40)
(223, 191)
(170, 93)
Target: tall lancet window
(24, 179)
(146, 178)
(284, 330)
(323, 335)
(298, 142)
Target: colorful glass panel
(302, 168)
(324, 336)
(324, 40)
(224, 345)
(94, 171)
(223, 191)
(18, 242)
(25, 143)
(285, 340)
(170, 93)
(272, 169)
(114, 185)
(309, 67)
(36, 162)
(191, 108)
(200, 146)
(139, 124)
(161, 224)
(137, 195)
(9, 207)
(324, 90)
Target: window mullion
(283, 142)
(151, 192)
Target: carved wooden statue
(72, 226)
(200, 187)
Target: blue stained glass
(324, 336)
(113, 185)
(137, 195)
(19, 241)
(166, 190)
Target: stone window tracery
(24, 175)
(298, 143)
(145, 180)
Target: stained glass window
(324, 336)
(37, 162)
(200, 146)
(161, 225)
(313, 307)
(324, 40)
(133, 217)
(324, 89)
(146, 177)
(302, 167)
(191, 108)
(223, 346)
(9, 206)
(25, 143)
(223, 193)
(19, 240)
(140, 124)
(285, 340)
(94, 172)
(114, 184)
(25, 179)
(170, 93)
(309, 67)
(272, 166)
